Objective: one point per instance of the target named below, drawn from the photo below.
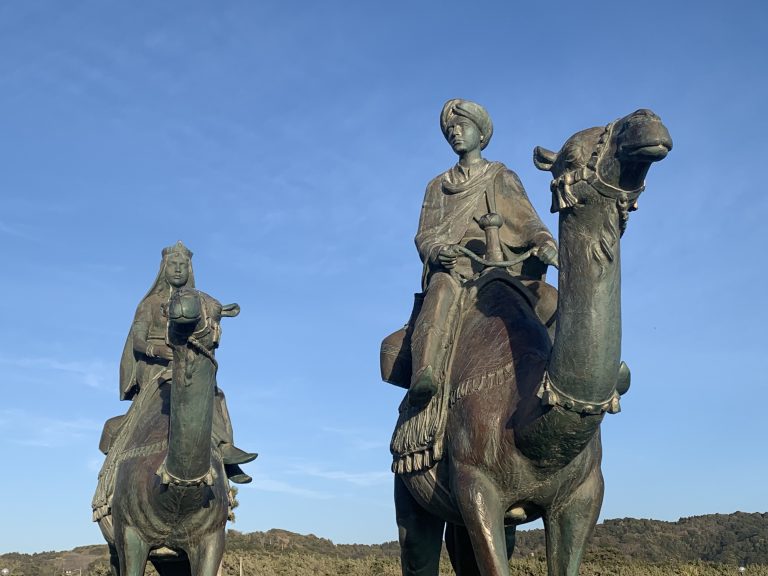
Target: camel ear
(230, 310)
(543, 158)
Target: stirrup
(236, 474)
(231, 454)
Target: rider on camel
(454, 203)
(147, 357)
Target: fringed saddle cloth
(119, 451)
(418, 441)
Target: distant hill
(739, 538)
(733, 539)
(276, 540)
(54, 563)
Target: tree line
(708, 545)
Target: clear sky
(288, 144)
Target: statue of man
(147, 357)
(454, 203)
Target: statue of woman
(147, 356)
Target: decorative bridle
(194, 341)
(562, 186)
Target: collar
(455, 181)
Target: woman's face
(177, 270)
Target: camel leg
(510, 536)
(167, 567)
(114, 561)
(132, 551)
(205, 558)
(421, 534)
(483, 517)
(569, 523)
(460, 549)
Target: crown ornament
(177, 248)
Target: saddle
(418, 440)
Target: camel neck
(191, 419)
(586, 353)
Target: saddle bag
(395, 354)
(109, 432)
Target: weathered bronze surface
(505, 427)
(163, 489)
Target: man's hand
(447, 256)
(547, 253)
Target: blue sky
(288, 145)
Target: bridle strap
(562, 186)
(195, 345)
(592, 173)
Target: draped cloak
(454, 204)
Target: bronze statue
(147, 355)
(164, 483)
(512, 432)
(452, 219)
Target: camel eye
(571, 160)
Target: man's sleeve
(427, 240)
(524, 226)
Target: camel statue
(521, 439)
(171, 493)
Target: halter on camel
(562, 186)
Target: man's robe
(455, 201)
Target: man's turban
(471, 110)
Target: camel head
(192, 313)
(612, 161)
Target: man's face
(177, 270)
(463, 135)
